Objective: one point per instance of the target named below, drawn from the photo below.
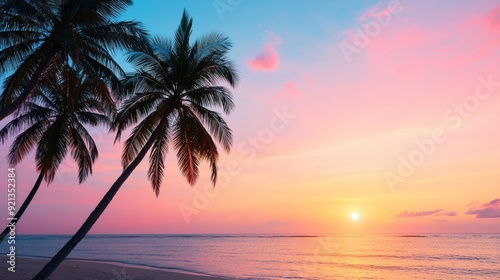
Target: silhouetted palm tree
(169, 96)
(38, 36)
(54, 121)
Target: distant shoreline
(26, 268)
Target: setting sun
(354, 216)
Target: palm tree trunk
(87, 225)
(30, 87)
(24, 206)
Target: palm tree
(174, 84)
(37, 36)
(53, 120)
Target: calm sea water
(290, 257)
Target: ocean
(432, 256)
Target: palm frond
(204, 144)
(115, 36)
(183, 141)
(81, 154)
(210, 96)
(52, 148)
(182, 35)
(216, 124)
(134, 108)
(33, 114)
(138, 138)
(156, 158)
(25, 142)
(212, 43)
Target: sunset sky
(388, 109)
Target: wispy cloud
(411, 214)
(379, 10)
(487, 210)
(448, 214)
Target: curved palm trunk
(94, 216)
(21, 210)
(30, 87)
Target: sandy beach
(26, 268)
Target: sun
(354, 216)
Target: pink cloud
(291, 88)
(487, 210)
(413, 48)
(266, 60)
(494, 18)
